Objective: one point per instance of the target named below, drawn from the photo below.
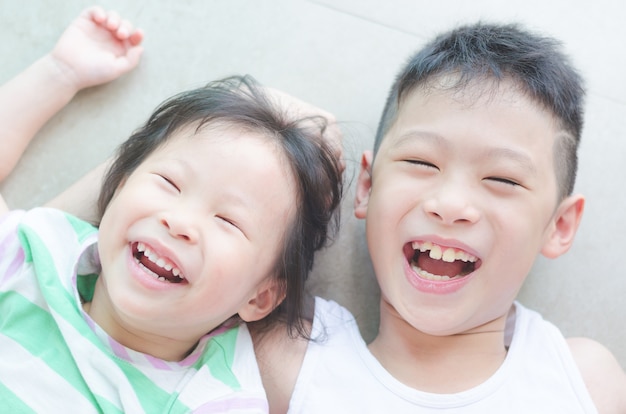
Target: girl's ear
(565, 223)
(364, 185)
(266, 298)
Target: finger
(124, 30)
(113, 21)
(130, 60)
(136, 37)
(96, 13)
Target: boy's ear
(266, 298)
(363, 185)
(564, 226)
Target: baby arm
(604, 377)
(95, 48)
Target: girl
(211, 215)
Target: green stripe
(82, 228)
(35, 329)
(11, 403)
(151, 396)
(221, 368)
(86, 285)
(58, 298)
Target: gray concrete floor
(342, 55)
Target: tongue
(439, 267)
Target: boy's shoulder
(604, 377)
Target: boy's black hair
(240, 102)
(490, 53)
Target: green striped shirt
(56, 359)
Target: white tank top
(340, 375)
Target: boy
(471, 178)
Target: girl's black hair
(241, 102)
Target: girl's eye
(170, 182)
(228, 221)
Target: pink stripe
(190, 360)
(15, 265)
(119, 350)
(237, 403)
(196, 354)
(9, 239)
(157, 363)
(89, 321)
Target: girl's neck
(438, 364)
(167, 349)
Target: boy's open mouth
(159, 267)
(434, 262)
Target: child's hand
(97, 47)
(296, 109)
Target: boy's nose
(451, 204)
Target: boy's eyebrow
(518, 157)
(523, 160)
(412, 135)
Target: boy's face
(462, 198)
(191, 237)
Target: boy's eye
(502, 180)
(422, 163)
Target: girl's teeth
(159, 261)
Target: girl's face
(191, 238)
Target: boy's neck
(438, 364)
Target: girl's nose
(180, 226)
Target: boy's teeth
(425, 246)
(435, 253)
(429, 276)
(447, 254)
